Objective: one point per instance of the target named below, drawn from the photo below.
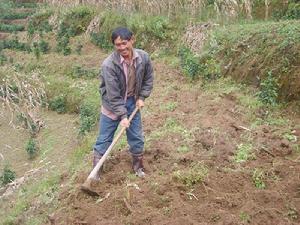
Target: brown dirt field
(208, 125)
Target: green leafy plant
(11, 27)
(244, 152)
(101, 40)
(189, 63)
(7, 176)
(78, 48)
(31, 148)
(195, 174)
(36, 50)
(245, 217)
(258, 176)
(44, 46)
(58, 104)
(269, 90)
(80, 72)
(88, 117)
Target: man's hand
(125, 123)
(140, 103)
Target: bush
(80, 72)
(36, 50)
(39, 22)
(88, 117)
(76, 21)
(44, 46)
(292, 12)
(31, 148)
(58, 104)
(101, 40)
(3, 59)
(7, 176)
(189, 63)
(269, 90)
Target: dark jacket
(113, 81)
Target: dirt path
(187, 127)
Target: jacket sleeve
(147, 82)
(113, 92)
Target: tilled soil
(186, 125)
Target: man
(126, 80)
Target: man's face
(124, 47)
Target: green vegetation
(7, 176)
(258, 177)
(269, 90)
(11, 27)
(85, 73)
(88, 117)
(58, 104)
(31, 148)
(196, 173)
(243, 153)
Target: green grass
(196, 173)
(43, 192)
(243, 153)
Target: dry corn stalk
(23, 95)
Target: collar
(134, 57)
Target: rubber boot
(97, 156)
(137, 165)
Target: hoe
(86, 186)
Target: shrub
(78, 48)
(44, 46)
(80, 72)
(36, 50)
(31, 148)
(3, 59)
(189, 63)
(292, 12)
(76, 20)
(7, 176)
(58, 104)
(39, 22)
(8, 15)
(88, 117)
(101, 40)
(269, 90)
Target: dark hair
(121, 32)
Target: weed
(189, 63)
(290, 137)
(80, 72)
(3, 59)
(44, 46)
(169, 106)
(244, 152)
(31, 148)
(269, 90)
(195, 174)
(183, 149)
(7, 176)
(100, 40)
(78, 48)
(245, 217)
(36, 50)
(257, 177)
(58, 104)
(11, 27)
(292, 213)
(88, 117)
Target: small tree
(7, 176)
